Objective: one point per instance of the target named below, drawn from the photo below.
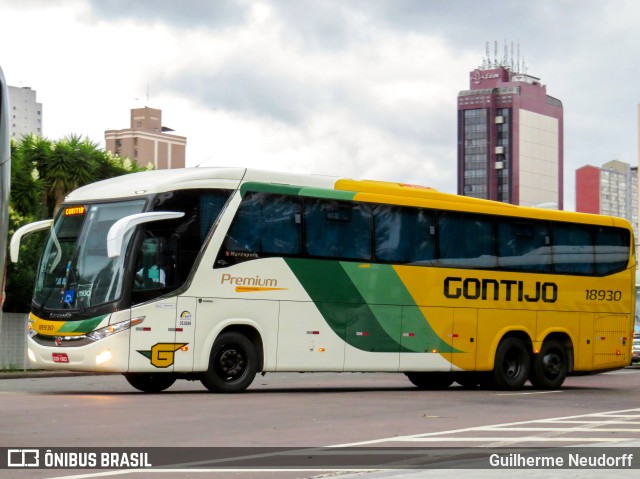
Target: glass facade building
(510, 139)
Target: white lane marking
(617, 415)
(553, 421)
(515, 439)
(98, 474)
(426, 437)
(560, 429)
(185, 471)
(529, 393)
(442, 434)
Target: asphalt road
(311, 410)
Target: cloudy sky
(357, 88)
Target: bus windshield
(75, 271)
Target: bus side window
(524, 246)
(572, 249)
(169, 248)
(404, 235)
(466, 241)
(281, 226)
(337, 229)
(611, 250)
(155, 266)
(265, 225)
(244, 233)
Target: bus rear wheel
(232, 364)
(150, 382)
(431, 381)
(512, 365)
(550, 367)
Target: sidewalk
(34, 373)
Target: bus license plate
(60, 358)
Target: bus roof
(157, 181)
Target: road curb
(46, 374)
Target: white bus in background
(5, 181)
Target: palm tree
(26, 186)
(72, 163)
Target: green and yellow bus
(216, 274)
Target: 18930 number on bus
(603, 295)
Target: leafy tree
(43, 172)
(26, 186)
(70, 164)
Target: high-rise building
(25, 113)
(510, 136)
(147, 141)
(610, 190)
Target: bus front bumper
(110, 354)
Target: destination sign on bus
(74, 210)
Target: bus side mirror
(14, 246)
(120, 228)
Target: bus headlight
(102, 333)
(103, 357)
(30, 331)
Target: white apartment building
(609, 190)
(25, 113)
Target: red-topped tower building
(510, 137)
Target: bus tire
(232, 364)
(150, 382)
(550, 366)
(512, 365)
(430, 381)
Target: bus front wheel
(232, 364)
(511, 369)
(150, 382)
(550, 367)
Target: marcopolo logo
(496, 290)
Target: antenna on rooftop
(511, 59)
(505, 57)
(486, 62)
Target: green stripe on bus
(329, 194)
(268, 188)
(84, 326)
(368, 305)
(379, 283)
(343, 307)
(280, 189)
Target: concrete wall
(13, 341)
